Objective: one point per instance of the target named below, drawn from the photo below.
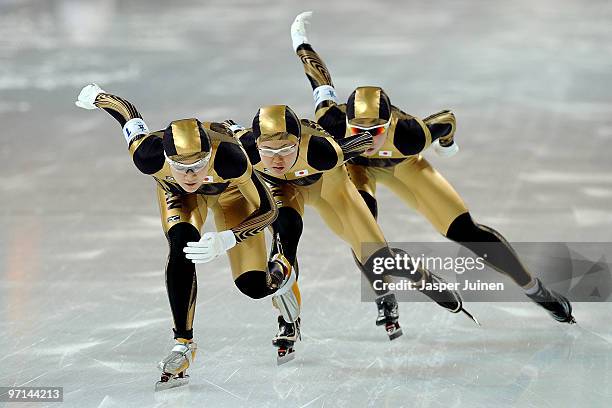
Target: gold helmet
(276, 122)
(367, 106)
(186, 140)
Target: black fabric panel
(409, 137)
(384, 109)
(304, 46)
(168, 142)
(292, 123)
(204, 139)
(254, 284)
(181, 276)
(478, 238)
(249, 143)
(350, 106)
(149, 156)
(289, 227)
(439, 130)
(321, 154)
(230, 162)
(255, 126)
(370, 202)
(118, 116)
(334, 122)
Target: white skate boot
(175, 364)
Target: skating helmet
(276, 122)
(186, 139)
(368, 106)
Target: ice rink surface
(82, 294)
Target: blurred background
(82, 296)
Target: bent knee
(254, 284)
(464, 229)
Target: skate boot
(175, 364)
(280, 274)
(288, 334)
(287, 298)
(448, 299)
(388, 315)
(557, 305)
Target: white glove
(210, 246)
(232, 126)
(445, 151)
(298, 29)
(88, 95)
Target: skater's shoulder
(230, 160)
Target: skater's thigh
(230, 210)
(175, 208)
(362, 178)
(347, 215)
(286, 195)
(419, 185)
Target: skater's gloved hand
(88, 95)
(298, 29)
(210, 246)
(232, 126)
(445, 151)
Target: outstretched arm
(256, 192)
(327, 112)
(146, 151)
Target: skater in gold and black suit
(304, 165)
(395, 160)
(198, 167)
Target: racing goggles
(184, 168)
(283, 151)
(375, 130)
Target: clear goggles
(283, 151)
(184, 168)
(375, 130)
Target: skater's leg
(345, 212)
(482, 240)
(288, 226)
(426, 190)
(420, 186)
(182, 217)
(364, 180)
(248, 259)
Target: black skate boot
(448, 299)
(557, 305)
(288, 334)
(388, 315)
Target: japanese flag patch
(301, 173)
(385, 153)
(208, 179)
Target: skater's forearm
(119, 108)
(146, 151)
(258, 195)
(317, 73)
(353, 146)
(442, 125)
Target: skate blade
(280, 360)
(395, 334)
(171, 383)
(571, 320)
(471, 317)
